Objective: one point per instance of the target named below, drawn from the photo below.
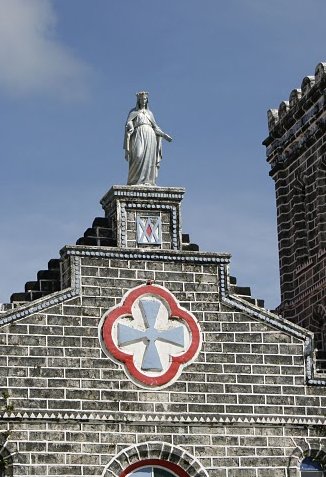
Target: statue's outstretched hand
(167, 137)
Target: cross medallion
(149, 308)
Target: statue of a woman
(143, 143)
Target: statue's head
(142, 99)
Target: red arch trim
(155, 463)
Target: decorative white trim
(276, 321)
(167, 418)
(157, 255)
(146, 192)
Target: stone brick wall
(296, 152)
(87, 448)
(239, 409)
(250, 404)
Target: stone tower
(296, 151)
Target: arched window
(151, 472)
(311, 468)
(154, 468)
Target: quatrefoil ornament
(150, 335)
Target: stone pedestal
(145, 217)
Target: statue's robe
(143, 147)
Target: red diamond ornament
(149, 231)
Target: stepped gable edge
(102, 234)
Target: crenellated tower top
(300, 101)
(298, 121)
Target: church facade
(136, 353)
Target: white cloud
(32, 60)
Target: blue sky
(69, 71)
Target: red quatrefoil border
(176, 311)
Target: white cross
(126, 335)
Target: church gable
(245, 361)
